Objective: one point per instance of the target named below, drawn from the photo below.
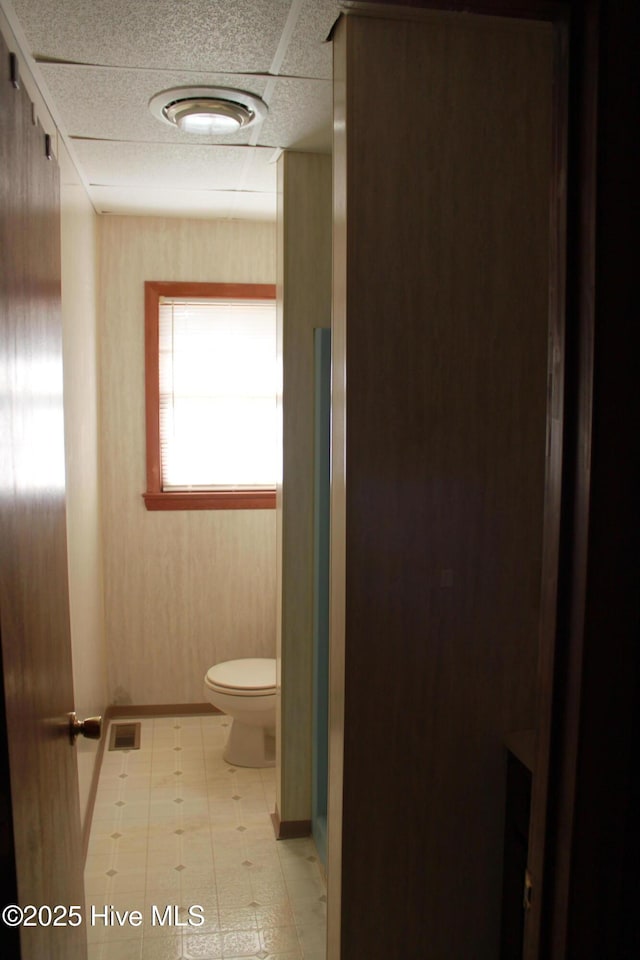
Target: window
(210, 354)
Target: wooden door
(42, 821)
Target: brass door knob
(91, 728)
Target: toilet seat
(246, 678)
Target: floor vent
(124, 736)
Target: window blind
(217, 370)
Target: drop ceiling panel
(212, 35)
(107, 104)
(300, 115)
(308, 53)
(113, 104)
(176, 166)
(99, 62)
(200, 204)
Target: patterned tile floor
(176, 827)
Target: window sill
(212, 500)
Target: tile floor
(175, 826)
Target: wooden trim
(543, 10)
(116, 711)
(289, 829)
(567, 707)
(211, 500)
(231, 291)
(155, 498)
(338, 504)
(553, 484)
(152, 384)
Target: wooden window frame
(155, 498)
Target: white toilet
(246, 691)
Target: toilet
(246, 691)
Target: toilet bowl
(246, 691)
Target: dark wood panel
(447, 233)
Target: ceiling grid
(100, 64)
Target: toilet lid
(256, 674)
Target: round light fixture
(209, 111)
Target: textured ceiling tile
(173, 166)
(209, 204)
(113, 104)
(245, 205)
(109, 104)
(133, 49)
(259, 173)
(213, 35)
(308, 54)
(300, 115)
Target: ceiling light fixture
(209, 111)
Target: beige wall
(304, 302)
(183, 589)
(79, 294)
